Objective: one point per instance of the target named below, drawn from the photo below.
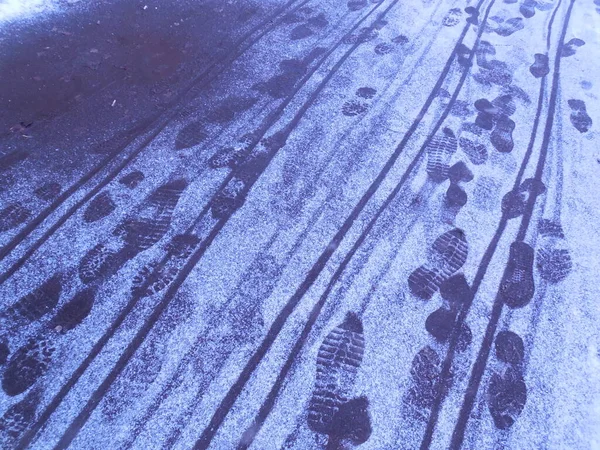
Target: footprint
(459, 172)
(455, 196)
(17, 419)
(366, 92)
(135, 234)
(501, 136)
(319, 21)
(515, 201)
(579, 116)
(292, 70)
(473, 15)
(229, 199)
(356, 5)
(477, 153)
(74, 311)
(101, 206)
(338, 360)
(446, 256)
(191, 135)
(517, 286)
(37, 303)
(12, 216)
(27, 365)
(509, 26)
(441, 323)
(4, 352)
(351, 423)
(425, 376)
(570, 48)
(131, 180)
(384, 48)
(505, 104)
(452, 18)
(363, 35)
(456, 291)
(12, 158)
(231, 106)
(48, 191)
(460, 108)
(439, 151)
(553, 257)
(226, 157)
(99, 262)
(540, 67)
(153, 219)
(463, 55)
(301, 32)
(507, 395)
(401, 39)
(484, 50)
(495, 72)
(527, 8)
(354, 108)
(509, 348)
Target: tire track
(160, 122)
(479, 366)
(277, 325)
(212, 230)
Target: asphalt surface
(299, 224)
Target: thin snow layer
(172, 381)
(11, 10)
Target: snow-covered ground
(300, 225)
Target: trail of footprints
(333, 411)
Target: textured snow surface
(300, 225)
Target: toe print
(579, 116)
